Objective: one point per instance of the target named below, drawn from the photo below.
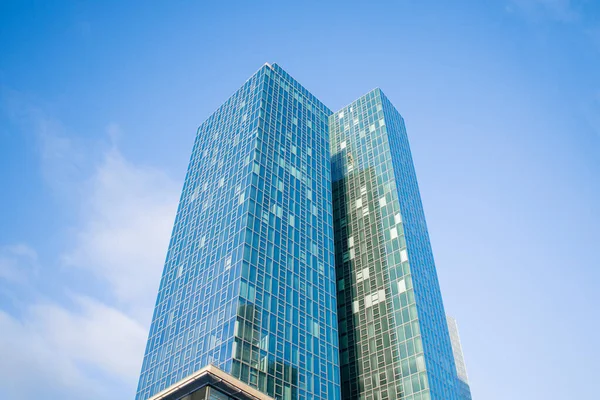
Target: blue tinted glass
(249, 280)
(394, 340)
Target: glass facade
(293, 221)
(461, 368)
(394, 341)
(249, 279)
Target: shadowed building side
(394, 341)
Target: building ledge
(214, 377)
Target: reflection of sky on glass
(100, 103)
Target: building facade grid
(294, 220)
(249, 280)
(391, 343)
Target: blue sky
(99, 102)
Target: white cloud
(63, 157)
(59, 351)
(17, 262)
(127, 217)
(86, 346)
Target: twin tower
(299, 265)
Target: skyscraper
(249, 279)
(394, 340)
(282, 234)
(461, 368)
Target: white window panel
(355, 306)
(351, 241)
(343, 145)
(368, 301)
(401, 286)
(420, 363)
(359, 203)
(365, 273)
(382, 202)
(393, 233)
(403, 256)
(195, 194)
(397, 218)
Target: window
(403, 256)
(375, 298)
(365, 273)
(397, 218)
(401, 286)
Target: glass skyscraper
(394, 340)
(294, 220)
(249, 279)
(461, 368)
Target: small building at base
(210, 383)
